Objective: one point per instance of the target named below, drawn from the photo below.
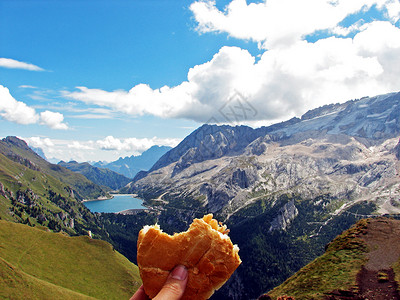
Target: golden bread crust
(205, 250)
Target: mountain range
(285, 191)
(341, 150)
(130, 166)
(100, 176)
(36, 192)
(298, 183)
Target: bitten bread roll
(205, 249)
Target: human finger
(175, 285)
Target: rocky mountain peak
(339, 149)
(374, 118)
(16, 142)
(207, 142)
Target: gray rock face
(17, 142)
(2, 190)
(244, 178)
(397, 151)
(349, 151)
(72, 223)
(373, 118)
(207, 142)
(286, 215)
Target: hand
(173, 288)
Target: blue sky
(96, 80)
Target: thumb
(175, 285)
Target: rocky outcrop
(285, 216)
(207, 142)
(41, 218)
(71, 223)
(217, 197)
(23, 161)
(13, 140)
(27, 197)
(396, 150)
(244, 178)
(2, 190)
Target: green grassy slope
(16, 284)
(18, 151)
(38, 264)
(100, 176)
(31, 196)
(336, 269)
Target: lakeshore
(118, 203)
(109, 198)
(133, 211)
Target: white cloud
(140, 100)
(20, 113)
(15, 111)
(393, 10)
(53, 120)
(136, 145)
(27, 86)
(39, 142)
(91, 116)
(206, 90)
(276, 23)
(285, 81)
(107, 149)
(81, 145)
(15, 64)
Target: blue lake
(116, 204)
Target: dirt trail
(376, 281)
(376, 278)
(377, 285)
(383, 240)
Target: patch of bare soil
(376, 279)
(383, 240)
(377, 285)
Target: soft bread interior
(205, 249)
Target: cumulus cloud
(39, 142)
(81, 145)
(58, 149)
(289, 78)
(53, 120)
(15, 111)
(107, 149)
(15, 64)
(136, 145)
(18, 112)
(276, 23)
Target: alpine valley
(285, 191)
